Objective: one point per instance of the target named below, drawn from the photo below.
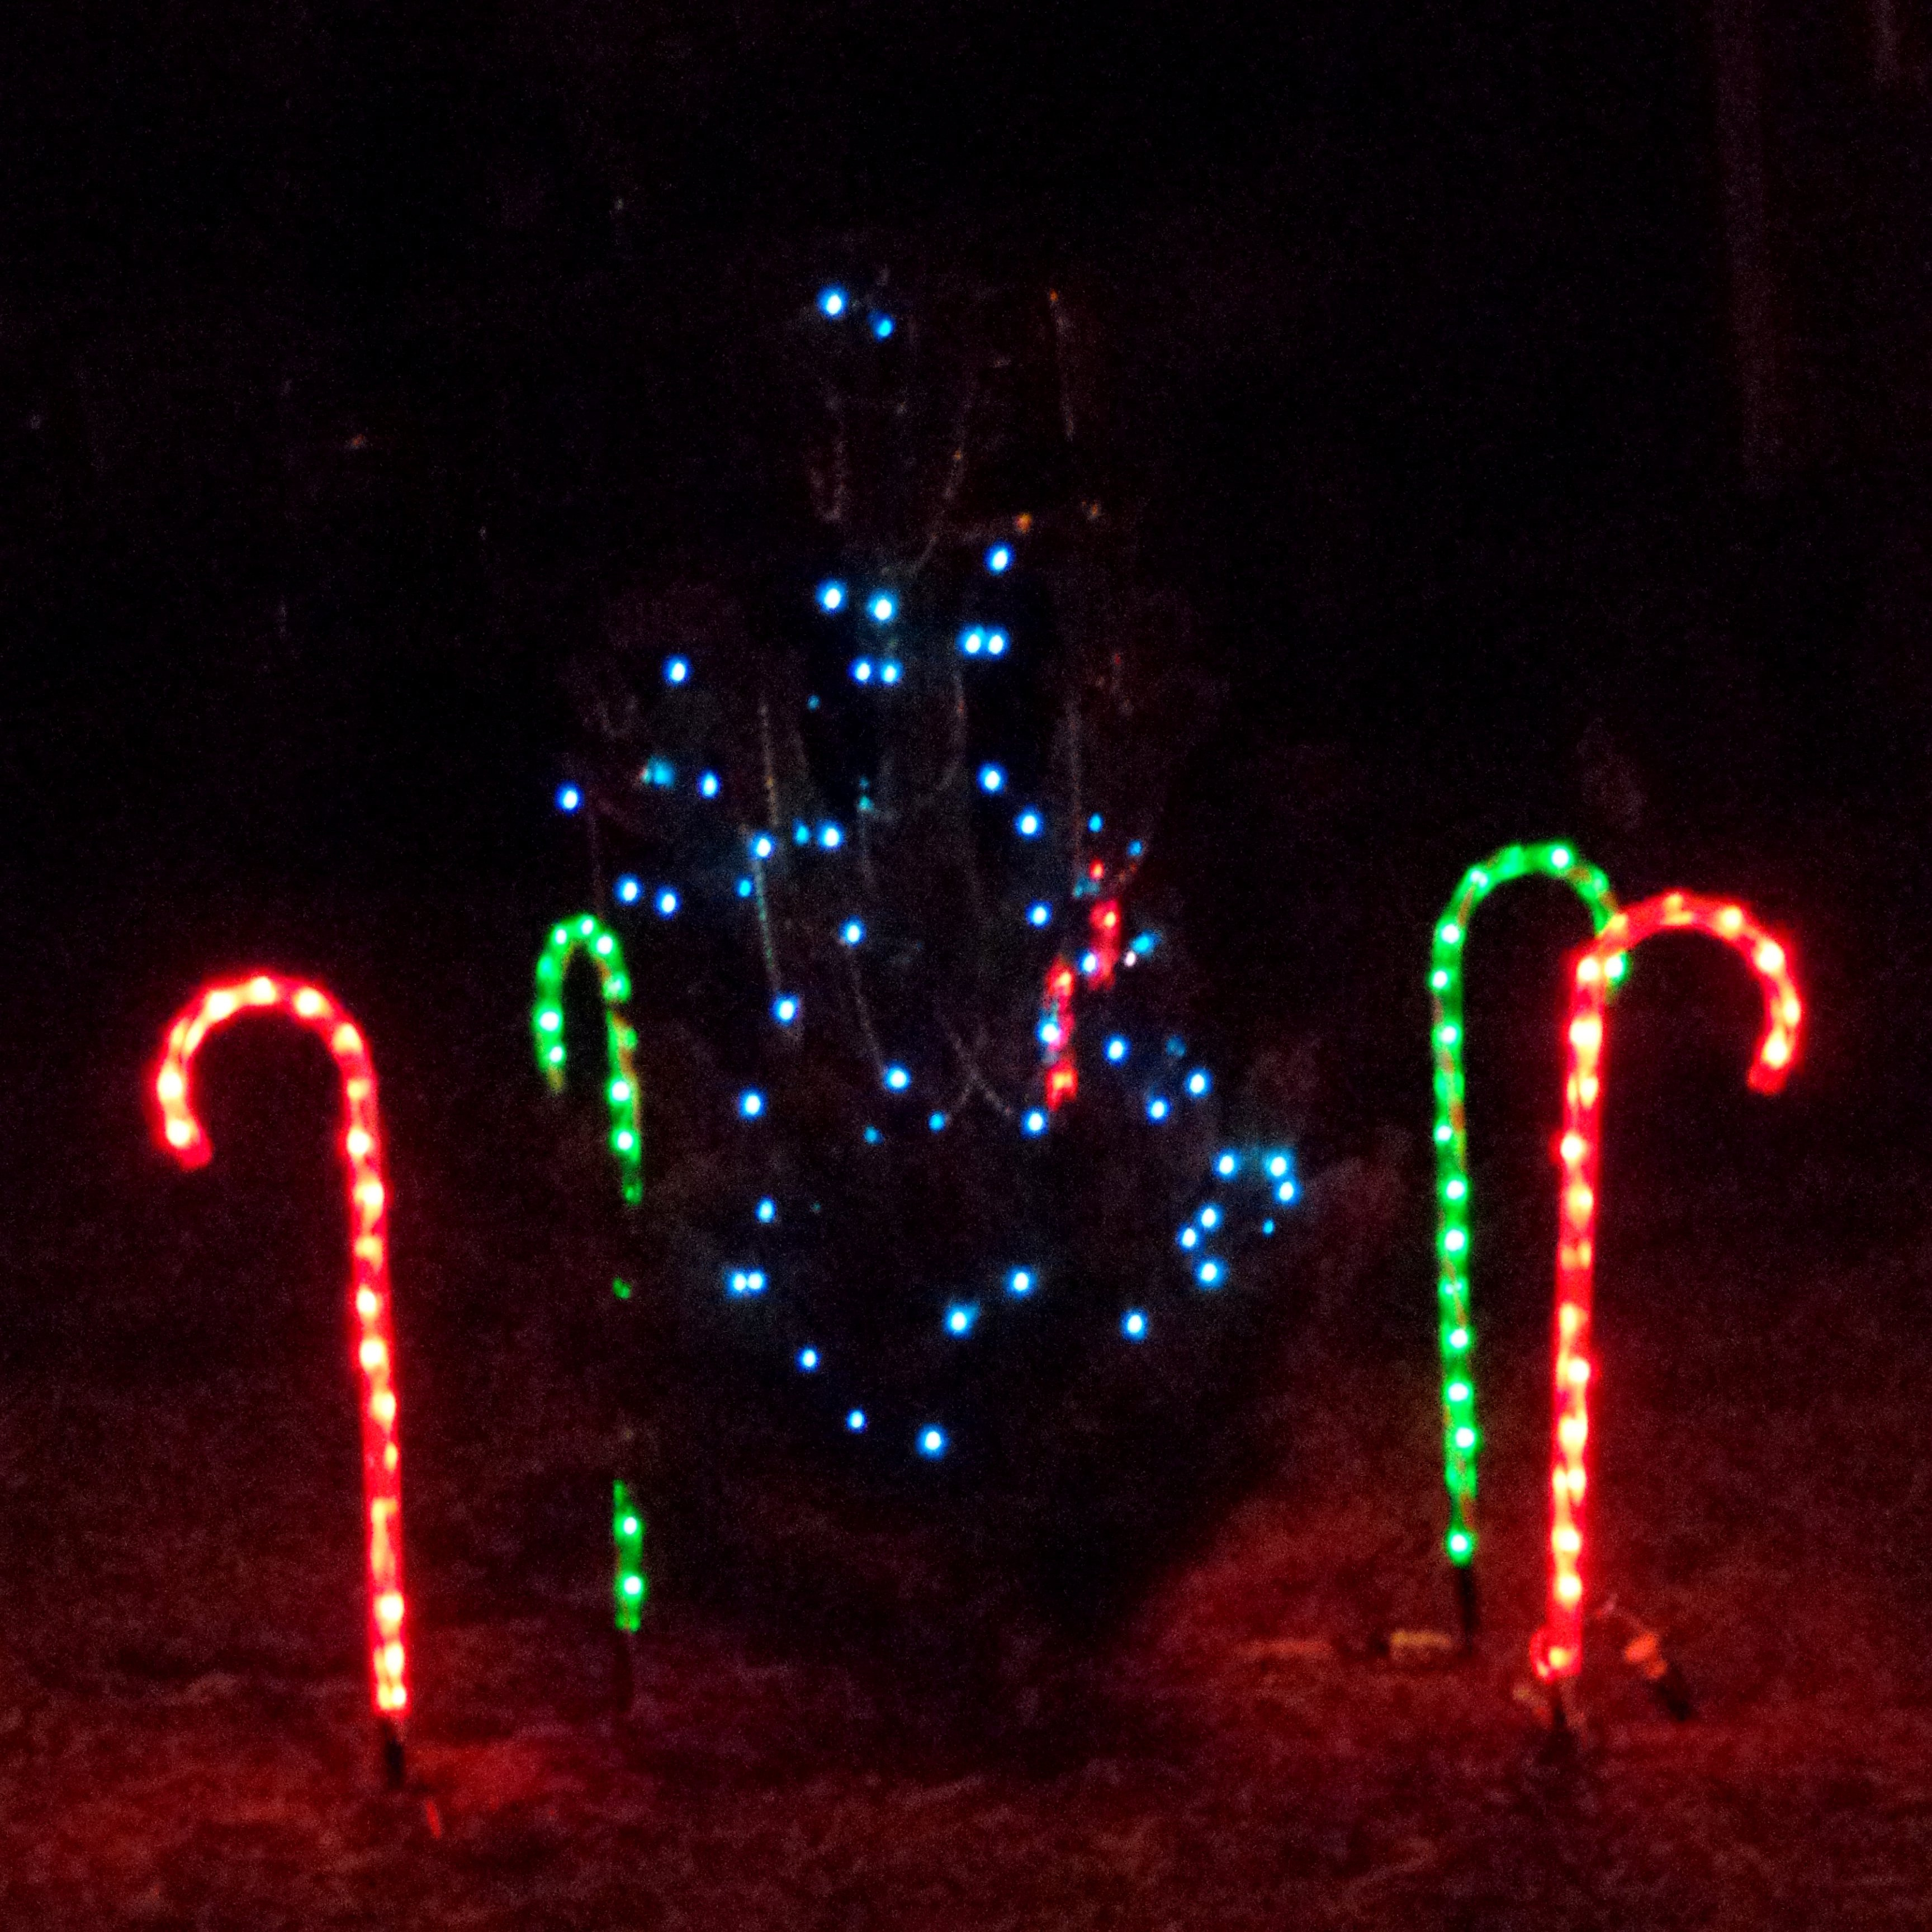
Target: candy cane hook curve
(606, 955)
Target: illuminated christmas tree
(936, 1178)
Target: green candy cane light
(596, 939)
(629, 1586)
(1461, 1439)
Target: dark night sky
(1408, 282)
(339, 395)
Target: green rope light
(1461, 1438)
(629, 1588)
(596, 939)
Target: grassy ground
(184, 1733)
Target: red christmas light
(1056, 1035)
(1557, 1651)
(374, 1349)
(1103, 943)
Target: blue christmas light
(1210, 1217)
(961, 1317)
(998, 558)
(932, 1442)
(660, 773)
(1135, 848)
(830, 837)
(873, 1136)
(1143, 944)
(676, 669)
(768, 1210)
(801, 833)
(707, 785)
(1134, 1325)
(1027, 824)
(889, 672)
(972, 642)
(1209, 1273)
(785, 1009)
(831, 596)
(861, 670)
(1157, 1109)
(1040, 914)
(832, 302)
(1034, 1122)
(1096, 823)
(1198, 1083)
(1089, 963)
(751, 1103)
(1284, 1193)
(882, 326)
(762, 847)
(745, 1281)
(569, 798)
(996, 643)
(807, 1359)
(1117, 1049)
(855, 1421)
(936, 1121)
(852, 932)
(746, 889)
(1189, 1236)
(1277, 1166)
(1020, 1282)
(1267, 1226)
(883, 606)
(627, 889)
(991, 779)
(1177, 1047)
(1229, 1164)
(898, 1079)
(666, 903)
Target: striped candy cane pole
(369, 1288)
(1557, 1651)
(1461, 1438)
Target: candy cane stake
(1557, 1650)
(1461, 1438)
(629, 1585)
(369, 1288)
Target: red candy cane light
(1557, 1652)
(369, 1285)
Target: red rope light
(369, 1284)
(1557, 1650)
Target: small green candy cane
(607, 954)
(628, 1586)
(1461, 1440)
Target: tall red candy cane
(369, 1288)
(1557, 1651)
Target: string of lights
(893, 844)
